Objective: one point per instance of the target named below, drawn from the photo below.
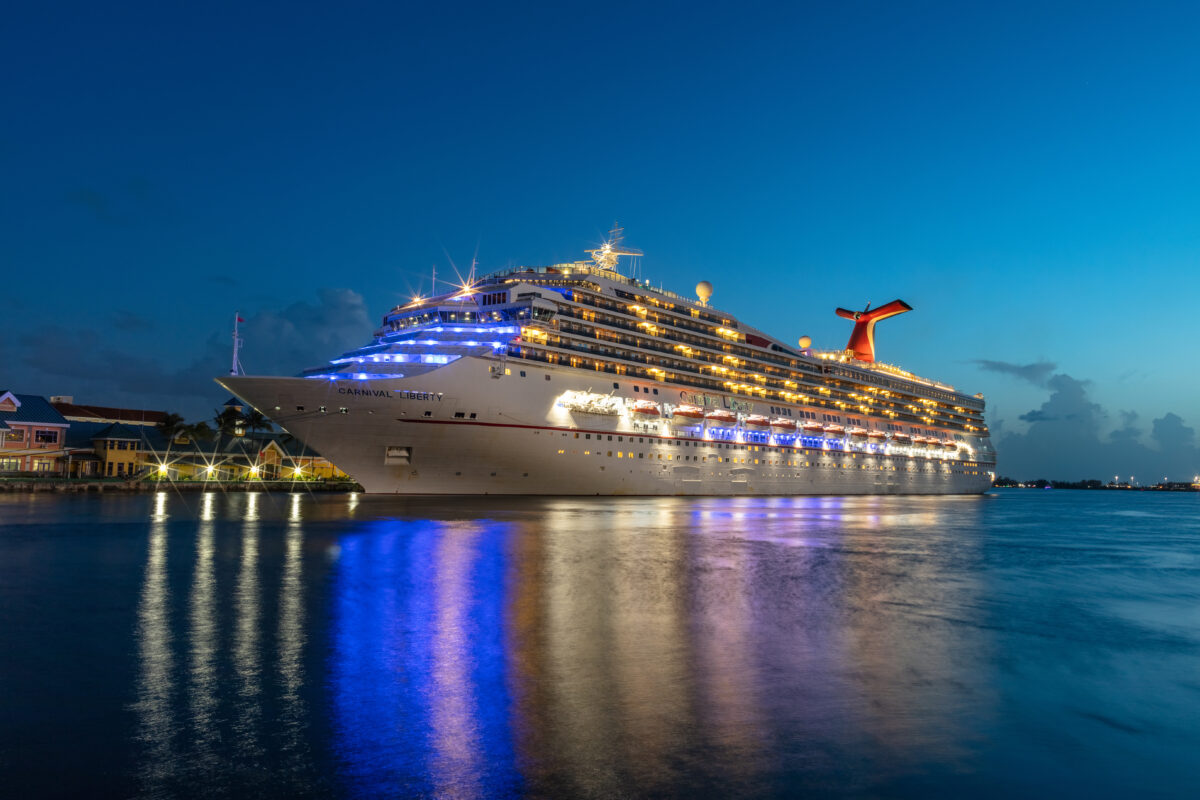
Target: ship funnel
(862, 338)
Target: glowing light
(254, 471)
(162, 469)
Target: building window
(45, 437)
(10, 465)
(16, 435)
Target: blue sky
(1025, 176)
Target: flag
(239, 319)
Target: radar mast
(606, 254)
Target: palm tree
(255, 421)
(199, 432)
(229, 421)
(171, 427)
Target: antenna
(235, 367)
(606, 254)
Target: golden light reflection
(292, 638)
(156, 664)
(202, 689)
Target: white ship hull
(467, 429)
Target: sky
(1026, 176)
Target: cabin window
(45, 437)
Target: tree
(255, 421)
(171, 427)
(199, 432)
(228, 421)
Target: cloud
(276, 343)
(1064, 441)
(1035, 373)
(1171, 434)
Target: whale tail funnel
(862, 338)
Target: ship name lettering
(365, 392)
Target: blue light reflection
(418, 673)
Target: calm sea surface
(1024, 643)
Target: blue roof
(33, 409)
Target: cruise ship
(577, 379)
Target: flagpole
(233, 367)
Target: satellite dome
(704, 291)
(805, 342)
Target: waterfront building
(74, 412)
(33, 434)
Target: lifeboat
(921, 441)
(877, 436)
(757, 421)
(720, 417)
(812, 427)
(858, 433)
(901, 438)
(834, 430)
(950, 445)
(781, 425)
(646, 408)
(688, 413)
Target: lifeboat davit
(646, 408)
(781, 425)
(834, 430)
(720, 417)
(688, 412)
(757, 421)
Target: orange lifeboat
(782, 425)
(646, 408)
(877, 436)
(858, 433)
(834, 430)
(688, 412)
(720, 417)
(901, 438)
(757, 421)
(812, 427)
(950, 445)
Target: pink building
(33, 435)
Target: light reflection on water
(360, 646)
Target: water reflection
(211, 717)
(156, 676)
(203, 627)
(292, 637)
(553, 647)
(246, 648)
(661, 645)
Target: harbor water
(1023, 643)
